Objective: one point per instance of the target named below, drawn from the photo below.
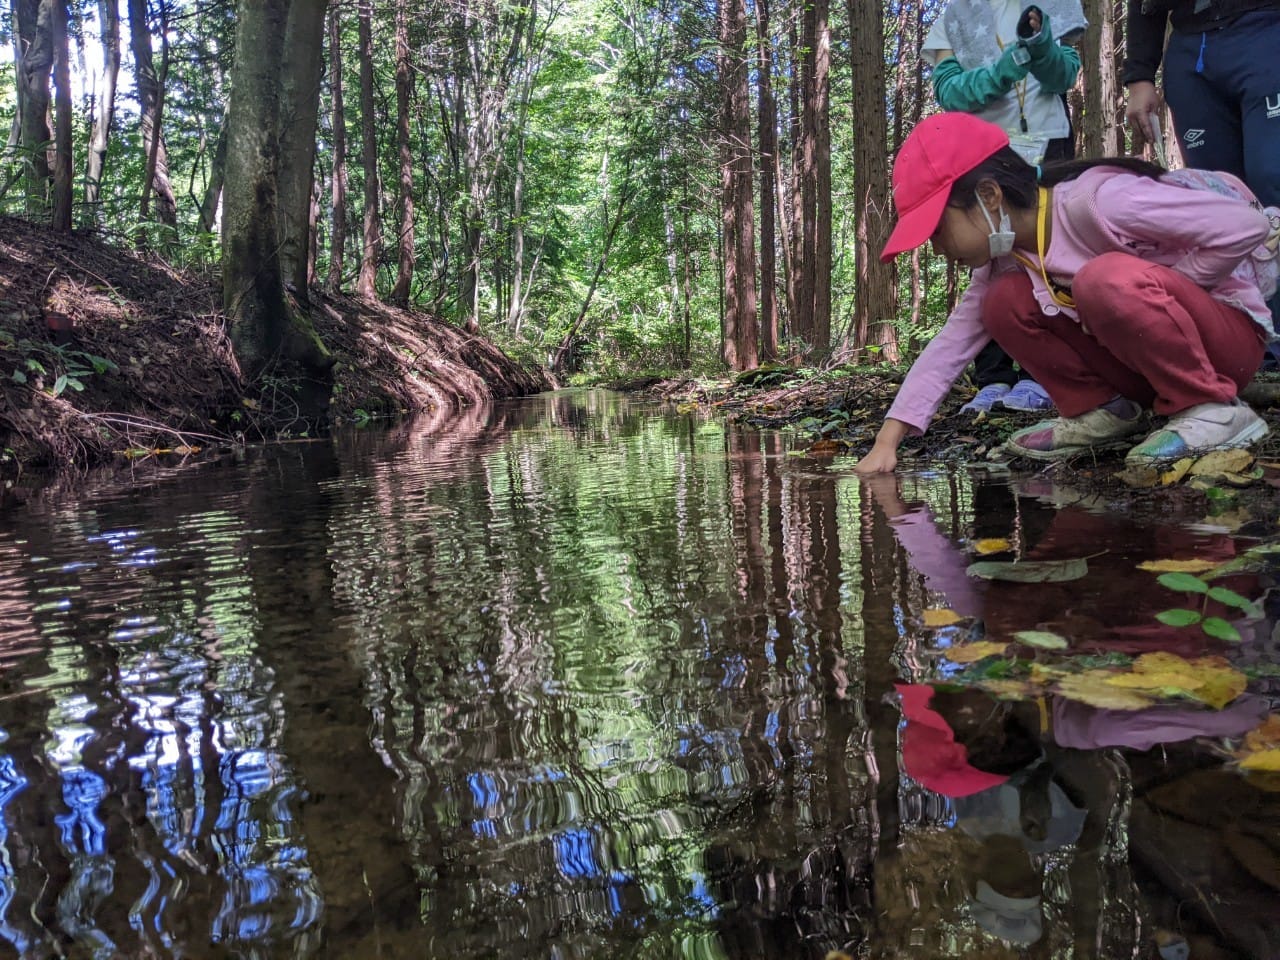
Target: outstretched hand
(878, 460)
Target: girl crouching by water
(1119, 288)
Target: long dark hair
(1018, 180)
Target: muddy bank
(106, 354)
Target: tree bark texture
(1101, 49)
(404, 89)
(875, 294)
(768, 124)
(109, 17)
(338, 234)
(740, 341)
(151, 108)
(263, 326)
(217, 178)
(366, 283)
(815, 293)
(35, 51)
(62, 171)
(299, 117)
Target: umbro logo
(1194, 138)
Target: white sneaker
(1199, 430)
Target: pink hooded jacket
(1199, 233)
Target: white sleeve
(935, 42)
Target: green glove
(970, 90)
(1054, 65)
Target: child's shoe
(986, 398)
(1026, 395)
(1063, 437)
(1199, 430)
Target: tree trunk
(338, 235)
(62, 173)
(818, 166)
(404, 85)
(366, 283)
(729, 315)
(744, 240)
(109, 15)
(151, 108)
(35, 50)
(217, 177)
(560, 360)
(875, 298)
(814, 295)
(768, 122)
(300, 79)
(263, 326)
(1103, 100)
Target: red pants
(1154, 336)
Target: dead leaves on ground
(1235, 468)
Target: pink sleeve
(938, 560)
(944, 359)
(1216, 232)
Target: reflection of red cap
(940, 150)
(930, 754)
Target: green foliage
(49, 367)
(1215, 627)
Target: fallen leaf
(939, 617)
(973, 652)
(1139, 477)
(1044, 639)
(824, 448)
(1265, 736)
(1030, 571)
(249, 403)
(1177, 471)
(1092, 688)
(1010, 689)
(991, 545)
(1178, 566)
(1211, 680)
(1221, 462)
(1262, 760)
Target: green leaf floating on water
(1044, 639)
(1030, 571)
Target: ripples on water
(581, 679)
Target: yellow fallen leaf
(1177, 566)
(938, 617)
(1010, 689)
(991, 545)
(973, 652)
(1177, 471)
(1043, 673)
(1264, 736)
(1092, 688)
(1211, 680)
(249, 403)
(1221, 462)
(1262, 760)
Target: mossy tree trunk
(265, 328)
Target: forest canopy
(603, 186)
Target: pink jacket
(1199, 233)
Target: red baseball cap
(939, 151)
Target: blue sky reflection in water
(573, 678)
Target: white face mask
(1000, 240)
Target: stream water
(581, 677)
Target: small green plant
(69, 368)
(1213, 626)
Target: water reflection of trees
(581, 676)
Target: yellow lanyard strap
(1061, 298)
